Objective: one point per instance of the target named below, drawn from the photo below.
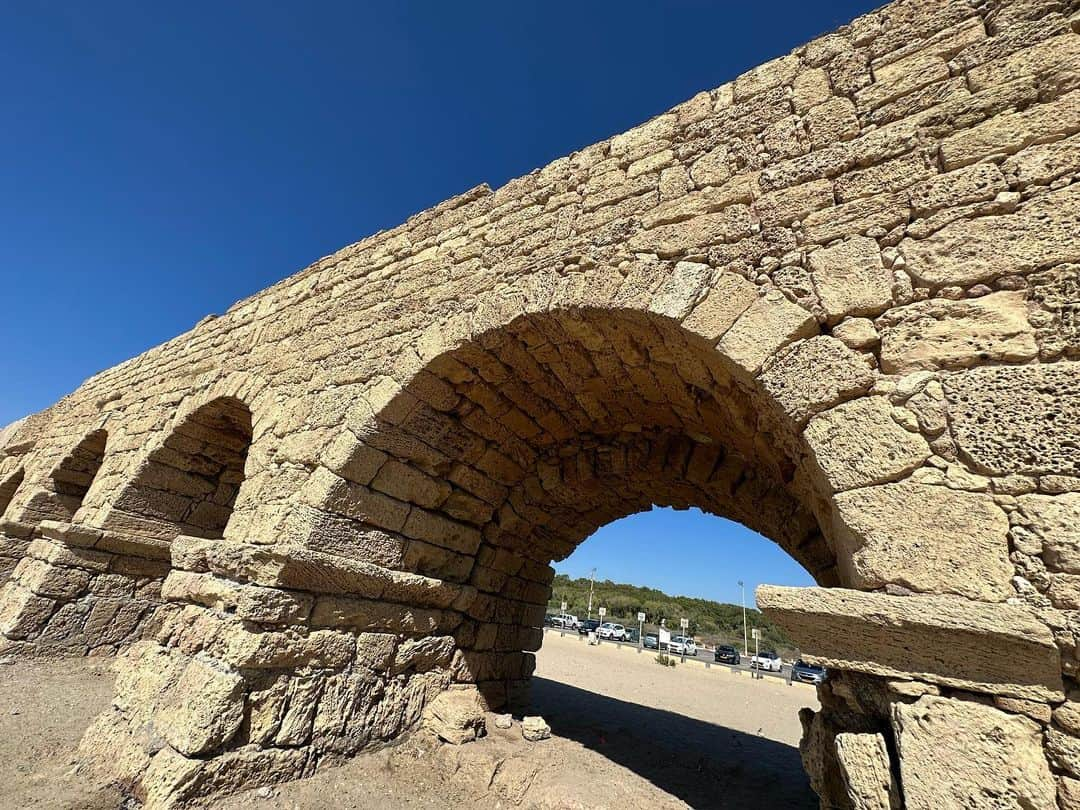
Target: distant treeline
(709, 621)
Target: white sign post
(756, 635)
(602, 612)
(684, 624)
(641, 630)
(564, 607)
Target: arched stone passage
(189, 484)
(106, 591)
(69, 481)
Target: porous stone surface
(456, 716)
(535, 728)
(834, 299)
(959, 754)
(864, 762)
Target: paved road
(704, 657)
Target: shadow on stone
(703, 764)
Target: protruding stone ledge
(993, 648)
(16, 529)
(133, 545)
(302, 569)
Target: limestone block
(681, 290)
(996, 649)
(56, 581)
(952, 542)
(815, 374)
(785, 205)
(1051, 524)
(976, 183)
(851, 279)
(1055, 61)
(728, 298)
(884, 211)
(857, 333)
(864, 763)
(831, 121)
(765, 77)
(767, 325)
(535, 728)
(376, 650)
(22, 612)
(423, 654)
(858, 443)
(729, 225)
(810, 88)
(456, 716)
(1017, 419)
(1042, 163)
(1064, 751)
(1040, 233)
(956, 755)
(203, 710)
(940, 333)
(1068, 793)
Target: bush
(665, 660)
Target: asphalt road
(704, 657)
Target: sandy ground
(627, 732)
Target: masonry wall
(835, 298)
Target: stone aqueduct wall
(835, 299)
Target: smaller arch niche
(8, 487)
(189, 484)
(73, 476)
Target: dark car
(807, 673)
(726, 655)
(631, 636)
(652, 641)
(588, 626)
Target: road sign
(684, 623)
(755, 634)
(665, 636)
(641, 617)
(602, 612)
(564, 607)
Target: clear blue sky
(685, 553)
(160, 161)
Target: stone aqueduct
(835, 299)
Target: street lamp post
(592, 579)
(745, 641)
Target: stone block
(956, 755)
(203, 710)
(865, 766)
(850, 278)
(765, 327)
(940, 333)
(928, 538)
(816, 374)
(456, 716)
(994, 649)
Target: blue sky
(686, 553)
(160, 161)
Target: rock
(1050, 525)
(768, 324)
(504, 721)
(957, 755)
(816, 374)
(851, 279)
(456, 716)
(939, 333)
(728, 299)
(858, 443)
(857, 333)
(993, 649)
(954, 542)
(1017, 419)
(203, 710)
(864, 763)
(534, 729)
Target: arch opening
(189, 484)
(72, 477)
(8, 487)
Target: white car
(565, 620)
(610, 630)
(682, 645)
(768, 661)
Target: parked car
(588, 626)
(768, 661)
(651, 641)
(612, 631)
(631, 635)
(725, 654)
(567, 621)
(682, 645)
(807, 673)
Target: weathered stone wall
(835, 299)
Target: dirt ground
(627, 733)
